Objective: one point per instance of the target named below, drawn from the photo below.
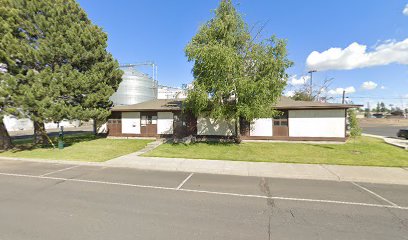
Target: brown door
(148, 124)
(280, 125)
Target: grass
(365, 151)
(80, 147)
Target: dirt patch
(398, 122)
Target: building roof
(152, 105)
(288, 103)
(174, 105)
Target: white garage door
(131, 122)
(317, 123)
(261, 127)
(164, 123)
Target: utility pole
(311, 82)
(344, 94)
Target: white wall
(131, 122)
(22, 124)
(164, 123)
(317, 123)
(208, 126)
(261, 127)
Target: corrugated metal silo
(135, 87)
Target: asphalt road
(385, 131)
(50, 201)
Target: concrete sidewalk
(385, 175)
(397, 142)
(265, 169)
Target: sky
(362, 45)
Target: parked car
(403, 133)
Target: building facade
(300, 120)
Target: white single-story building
(300, 120)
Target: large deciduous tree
(72, 75)
(237, 76)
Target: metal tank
(136, 87)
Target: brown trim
(317, 107)
(278, 108)
(285, 138)
(131, 135)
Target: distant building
(165, 92)
(14, 124)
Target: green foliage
(302, 96)
(78, 147)
(12, 48)
(236, 76)
(64, 70)
(355, 129)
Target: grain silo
(136, 86)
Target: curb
(396, 175)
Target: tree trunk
(39, 133)
(237, 131)
(5, 140)
(95, 130)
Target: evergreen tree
(72, 75)
(383, 108)
(378, 108)
(13, 49)
(236, 76)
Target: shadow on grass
(322, 146)
(69, 140)
(210, 143)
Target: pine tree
(13, 47)
(236, 76)
(72, 75)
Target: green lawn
(81, 147)
(365, 151)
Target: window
(148, 120)
(281, 120)
(114, 121)
(143, 121)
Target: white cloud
(289, 93)
(405, 11)
(382, 87)
(369, 85)
(339, 91)
(294, 81)
(356, 56)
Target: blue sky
(159, 30)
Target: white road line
(207, 192)
(375, 194)
(185, 180)
(60, 170)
